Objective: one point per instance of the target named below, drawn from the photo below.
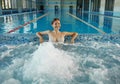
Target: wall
(52, 3)
(0, 7)
(63, 5)
(116, 23)
(117, 8)
(102, 6)
(19, 6)
(68, 3)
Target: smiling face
(56, 24)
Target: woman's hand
(74, 37)
(40, 37)
(41, 40)
(72, 40)
(39, 34)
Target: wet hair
(55, 20)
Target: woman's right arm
(73, 34)
(39, 34)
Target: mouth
(57, 27)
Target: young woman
(56, 35)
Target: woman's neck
(56, 31)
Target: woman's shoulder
(45, 32)
(50, 31)
(64, 32)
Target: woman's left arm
(73, 34)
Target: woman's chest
(56, 37)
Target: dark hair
(54, 20)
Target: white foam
(116, 57)
(11, 81)
(51, 64)
(5, 54)
(8, 72)
(98, 75)
(49, 61)
(8, 49)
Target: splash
(49, 62)
(11, 81)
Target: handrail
(86, 23)
(115, 17)
(27, 23)
(12, 14)
(91, 13)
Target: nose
(58, 24)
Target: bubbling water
(49, 62)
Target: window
(33, 4)
(95, 5)
(6, 4)
(86, 5)
(3, 4)
(24, 4)
(109, 5)
(14, 4)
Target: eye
(55, 23)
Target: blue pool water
(106, 24)
(94, 58)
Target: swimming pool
(99, 23)
(93, 59)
